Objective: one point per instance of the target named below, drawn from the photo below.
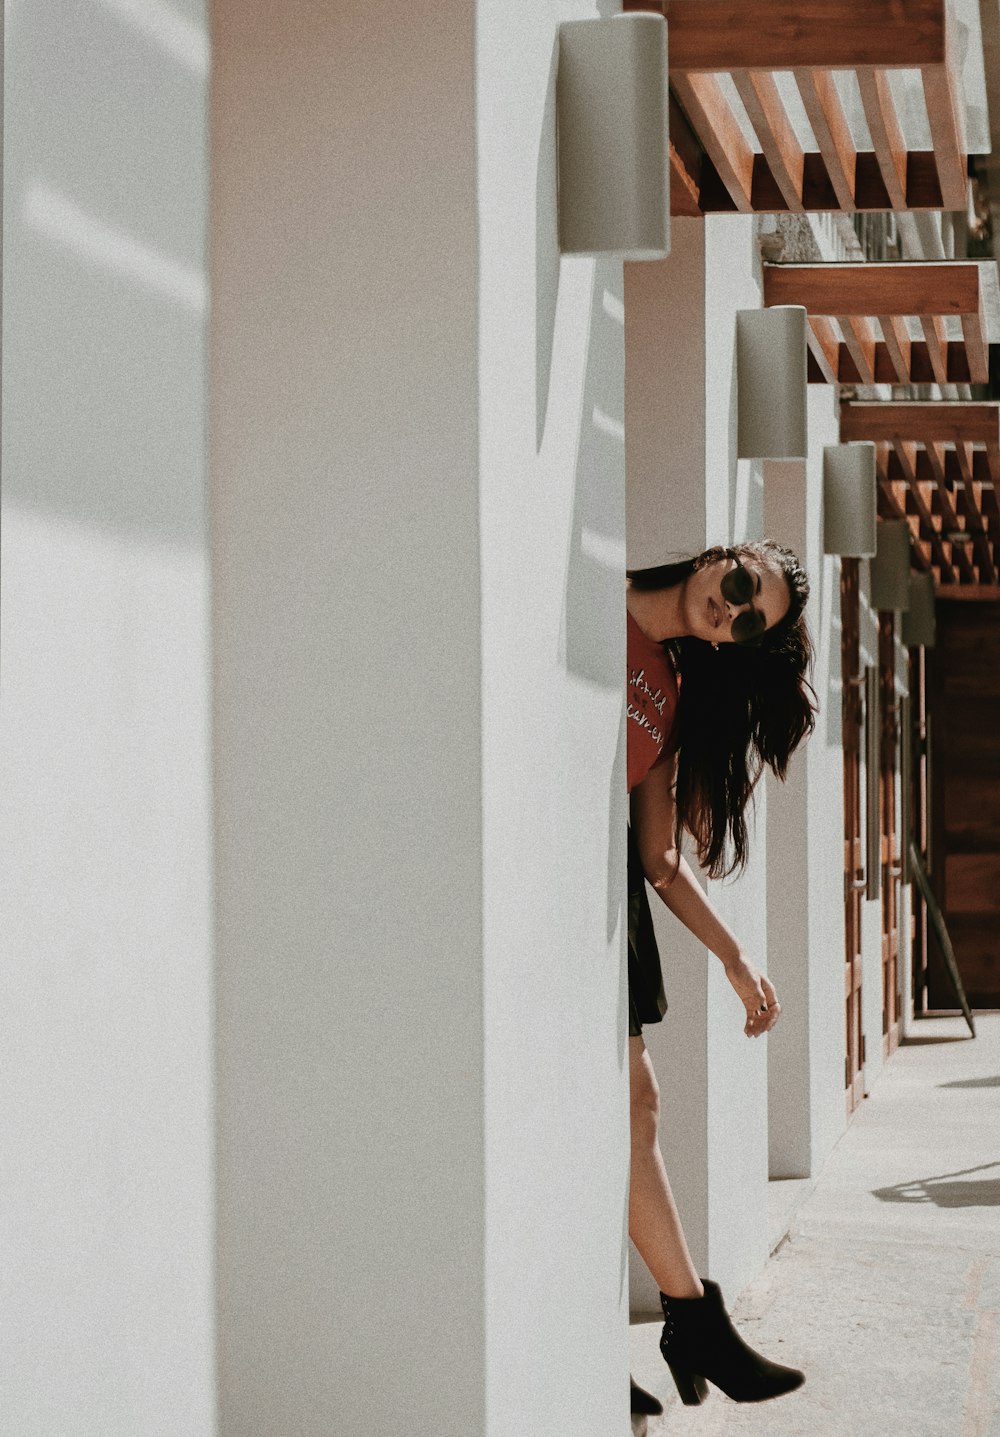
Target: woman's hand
(757, 996)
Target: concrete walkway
(886, 1291)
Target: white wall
(871, 909)
(419, 634)
(107, 1075)
(552, 546)
(686, 488)
(805, 897)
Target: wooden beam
(936, 337)
(887, 137)
(945, 115)
(686, 158)
(859, 338)
(976, 593)
(787, 35)
(924, 515)
(960, 472)
(897, 343)
(935, 458)
(978, 421)
(766, 111)
(906, 455)
(976, 346)
(939, 287)
(831, 130)
(824, 346)
(712, 118)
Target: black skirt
(647, 1001)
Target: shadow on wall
(546, 249)
(594, 606)
(943, 1193)
(106, 195)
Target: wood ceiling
(721, 49)
(900, 322)
(939, 469)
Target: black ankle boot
(643, 1401)
(699, 1341)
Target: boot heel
(692, 1389)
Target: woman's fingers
(763, 1009)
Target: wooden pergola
(718, 49)
(939, 469)
(902, 322)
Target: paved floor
(886, 1291)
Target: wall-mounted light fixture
(890, 568)
(614, 154)
(918, 626)
(850, 500)
(771, 382)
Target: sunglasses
(738, 589)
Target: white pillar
(422, 1084)
(805, 846)
(687, 488)
(107, 1193)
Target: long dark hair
(739, 709)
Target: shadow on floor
(913, 1042)
(993, 1082)
(943, 1193)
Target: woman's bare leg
(653, 1223)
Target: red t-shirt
(651, 695)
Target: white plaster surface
(686, 488)
(552, 550)
(106, 1192)
(805, 905)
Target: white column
(686, 488)
(419, 648)
(107, 1192)
(805, 895)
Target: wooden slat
(944, 287)
(934, 451)
(824, 346)
(976, 346)
(960, 470)
(926, 520)
(936, 337)
(977, 421)
(887, 137)
(945, 114)
(788, 35)
(897, 342)
(860, 340)
(831, 130)
(906, 454)
(974, 592)
(716, 126)
(778, 141)
(685, 164)
(993, 459)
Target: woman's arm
(652, 806)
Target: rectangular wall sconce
(771, 382)
(890, 568)
(850, 500)
(918, 626)
(614, 153)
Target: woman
(718, 653)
